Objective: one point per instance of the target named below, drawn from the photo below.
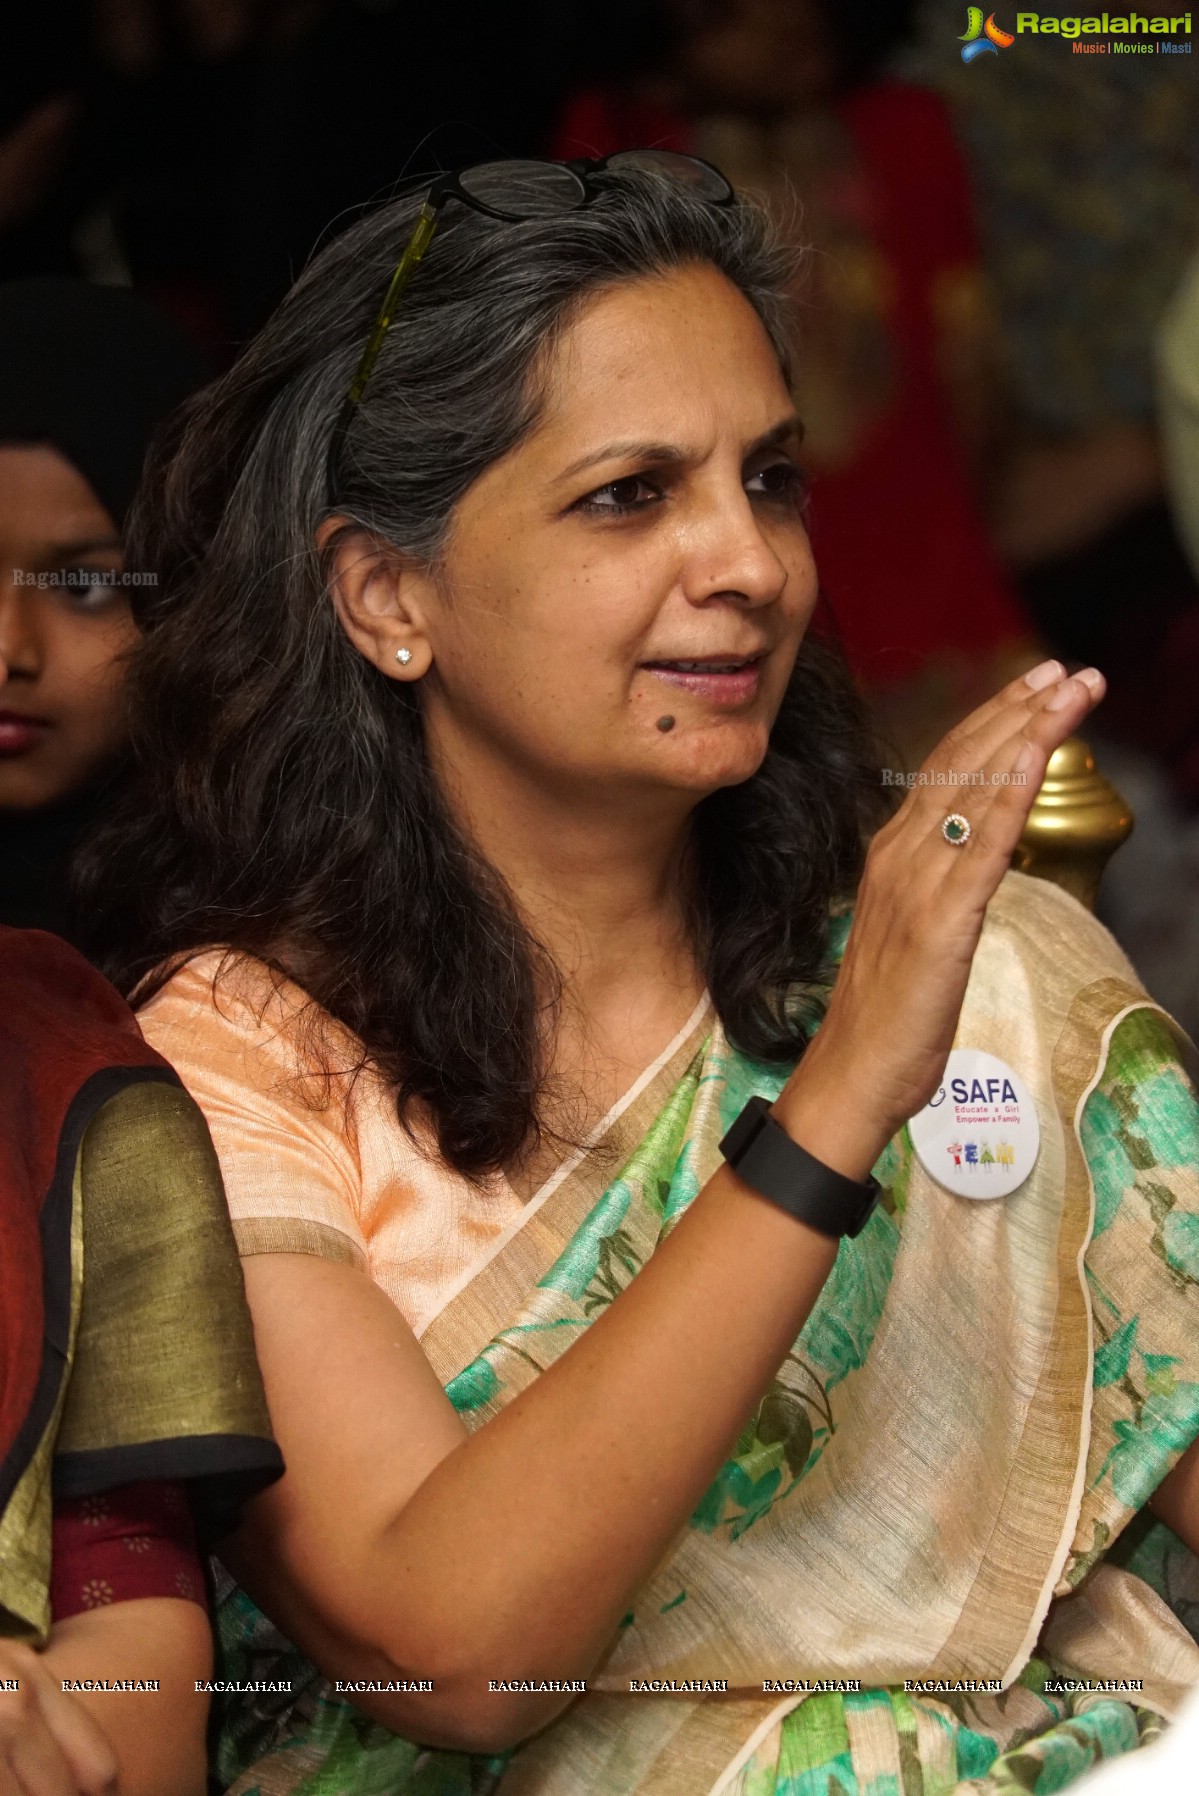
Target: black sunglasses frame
(448, 187)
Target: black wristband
(766, 1157)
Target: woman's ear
(380, 603)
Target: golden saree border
(1117, 1257)
(1053, 1452)
(27, 1520)
(164, 1382)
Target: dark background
(199, 150)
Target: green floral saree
(944, 1485)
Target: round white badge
(979, 1135)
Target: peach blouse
(320, 1164)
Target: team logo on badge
(980, 1135)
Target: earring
(403, 656)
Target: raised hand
(881, 1050)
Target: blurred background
(998, 337)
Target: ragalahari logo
(983, 38)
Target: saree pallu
(126, 1352)
(938, 1484)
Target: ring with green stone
(956, 829)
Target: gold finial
(1076, 824)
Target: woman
(493, 800)
(896, 350)
(131, 1411)
(86, 375)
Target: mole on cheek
(665, 723)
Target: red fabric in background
(137, 1541)
(60, 1022)
(898, 536)
(897, 533)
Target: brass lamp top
(1077, 805)
(1077, 821)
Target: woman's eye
(88, 588)
(780, 480)
(628, 494)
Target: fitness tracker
(766, 1157)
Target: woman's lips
(719, 686)
(19, 734)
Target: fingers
(982, 764)
(1062, 700)
(922, 900)
(49, 1744)
(990, 777)
(998, 810)
(989, 769)
(1059, 705)
(36, 1766)
(998, 824)
(83, 1745)
(979, 728)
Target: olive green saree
(126, 1351)
(942, 1483)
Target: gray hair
(455, 386)
(283, 802)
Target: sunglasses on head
(514, 192)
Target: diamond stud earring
(403, 656)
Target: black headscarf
(91, 371)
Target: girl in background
(86, 375)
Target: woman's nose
(729, 554)
(20, 639)
(734, 559)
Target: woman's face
(641, 556)
(63, 633)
